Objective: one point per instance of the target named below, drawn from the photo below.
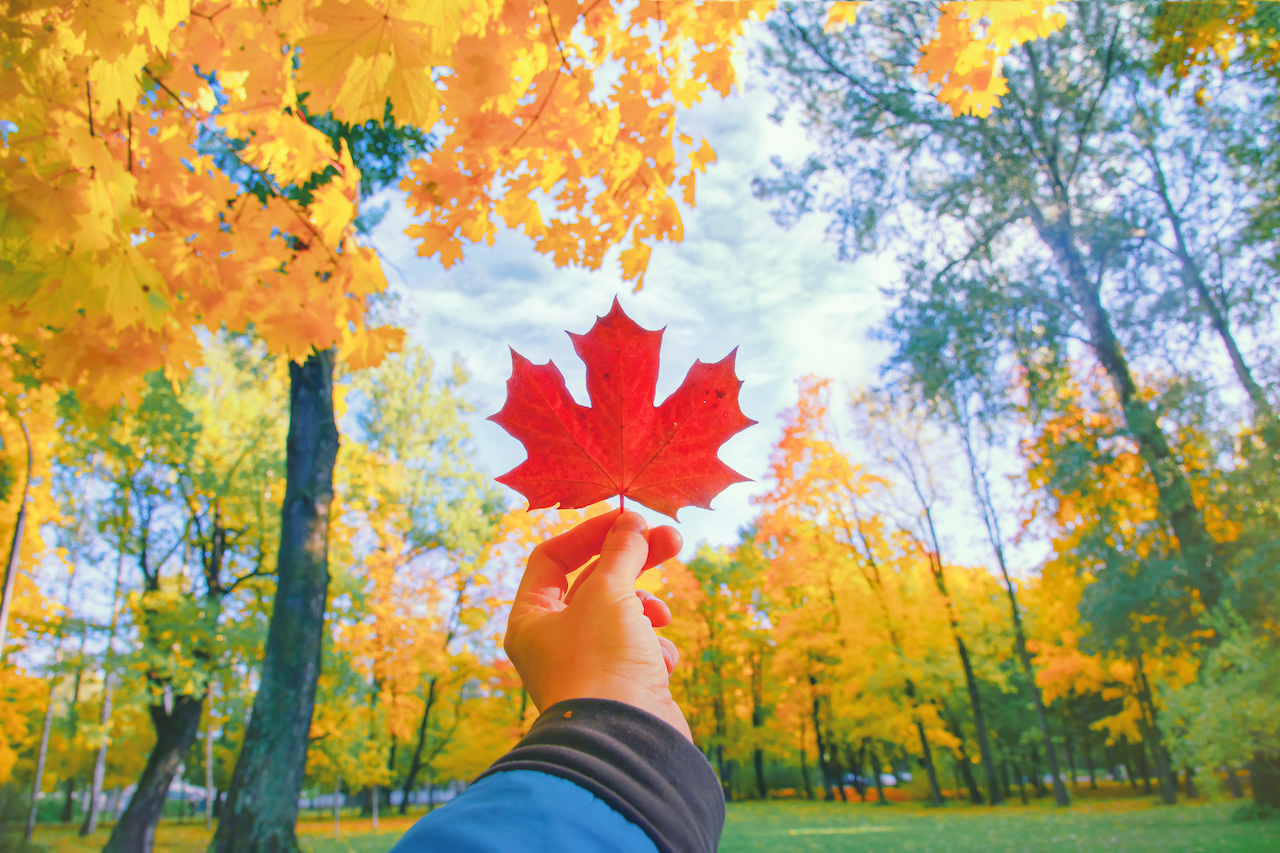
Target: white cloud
(737, 279)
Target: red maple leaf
(663, 457)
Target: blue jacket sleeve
(591, 775)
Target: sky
(737, 279)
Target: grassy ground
(1132, 826)
(1129, 825)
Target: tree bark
(934, 790)
(175, 733)
(1177, 503)
(15, 546)
(1264, 778)
(1192, 275)
(986, 507)
(262, 803)
(876, 768)
(415, 764)
(964, 765)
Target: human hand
(596, 639)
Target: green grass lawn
(1128, 825)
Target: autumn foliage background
(1079, 203)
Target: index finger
(551, 561)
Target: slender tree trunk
(965, 766)
(209, 792)
(1264, 778)
(1022, 783)
(262, 803)
(1151, 732)
(15, 546)
(1177, 502)
(804, 765)
(69, 801)
(1189, 778)
(876, 768)
(934, 790)
(1144, 768)
(757, 721)
(823, 767)
(90, 824)
(991, 521)
(416, 763)
(1193, 276)
(1088, 756)
(175, 733)
(1233, 784)
(38, 783)
(1037, 780)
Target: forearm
(641, 774)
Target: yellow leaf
(840, 15)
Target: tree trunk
(876, 768)
(1177, 502)
(69, 803)
(1189, 779)
(175, 733)
(1233, 784)
(262, 804)
(934, 790)
(15, 546)
(1037, 780)
(975, 703)
(827, 793)
(1264, 777)
(1022, 783)
(90, 824)
(964, 765)
(1150, 725)
(38, 782)
(982, 495)
(1086, 748)
(1264, 414)
(416, 763)
(804, 767)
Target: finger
(578, 581)
(551, 561)
(655, 609)
(622, 556)
(670, 654)
(664, 543)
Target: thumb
(622, 557)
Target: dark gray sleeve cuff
(639, 765)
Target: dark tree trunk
(1177, 502)
(934, 790)
(757, 759)
(1264, 777)
(1144, 768)
(990, 519)
(856, 761)
(837, 770)
(1086, 749)
(970, 680)
(262, 804)
(1022, 783)
(175, 733)
(876, 769)
(415, 764)
(1037, 779)
(823, 767)
(1233, 784)
(1189, 779)
(68, 804)
(970, 783)
(964, 765)
(1128, 764)
(804, 772)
